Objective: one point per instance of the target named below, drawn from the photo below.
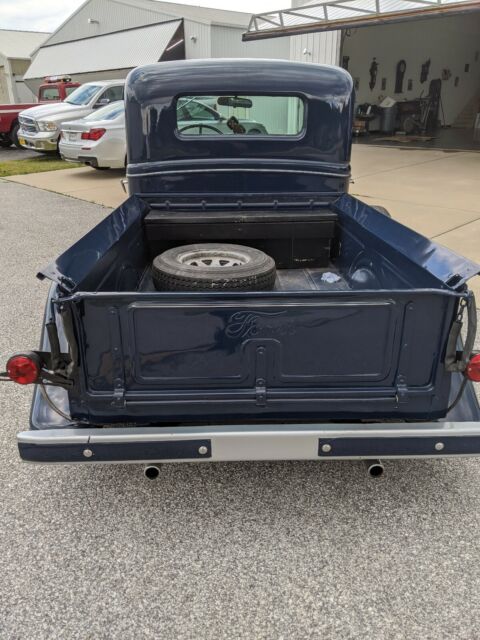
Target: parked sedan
(97, 140)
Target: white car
(98, 140)
(40, 126)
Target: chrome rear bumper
(250, 442)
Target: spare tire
(211, 267)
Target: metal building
(15, 50)
(107, 38)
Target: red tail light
(473, 369)
(93, 134)
(24, 369)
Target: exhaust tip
(375, 468)
(152, 472)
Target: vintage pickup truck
(240, 305)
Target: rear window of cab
(259, 115)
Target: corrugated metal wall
(130, 48)
(227, 43)
(4, 96)
(198, 40)
(110, 16)
(321, 48)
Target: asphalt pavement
(223, 551)
(12, 153)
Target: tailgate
(161, 356)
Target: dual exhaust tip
(152, 471)
(374, 468)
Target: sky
(47, 15)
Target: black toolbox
(292, 238)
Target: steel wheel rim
(214, 258)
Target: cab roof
(165, 79)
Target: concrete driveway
(435, 192)
(85, 183)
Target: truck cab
(40, 126)
(241, 305)
(56, 89)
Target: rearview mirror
(234, 101)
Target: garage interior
(415, 64)
(428, 70)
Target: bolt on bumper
(250, 442)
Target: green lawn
(34, 165)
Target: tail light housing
(473, 368)
(93, 134)
(24, 368)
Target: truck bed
(371, 345)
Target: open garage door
(348, 14)
(415, 64)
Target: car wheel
(4, 144)
(14, 136)
(213, 267)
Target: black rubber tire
(171, 274)
(5, 144)
(382, 210)
(14, 137)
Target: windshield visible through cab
(83, 94)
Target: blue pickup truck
(240, 305)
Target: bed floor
(324, 279)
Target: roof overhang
(331, 15)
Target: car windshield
(110, 112)
(193, 109)
(266, 115)
(83, 94)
